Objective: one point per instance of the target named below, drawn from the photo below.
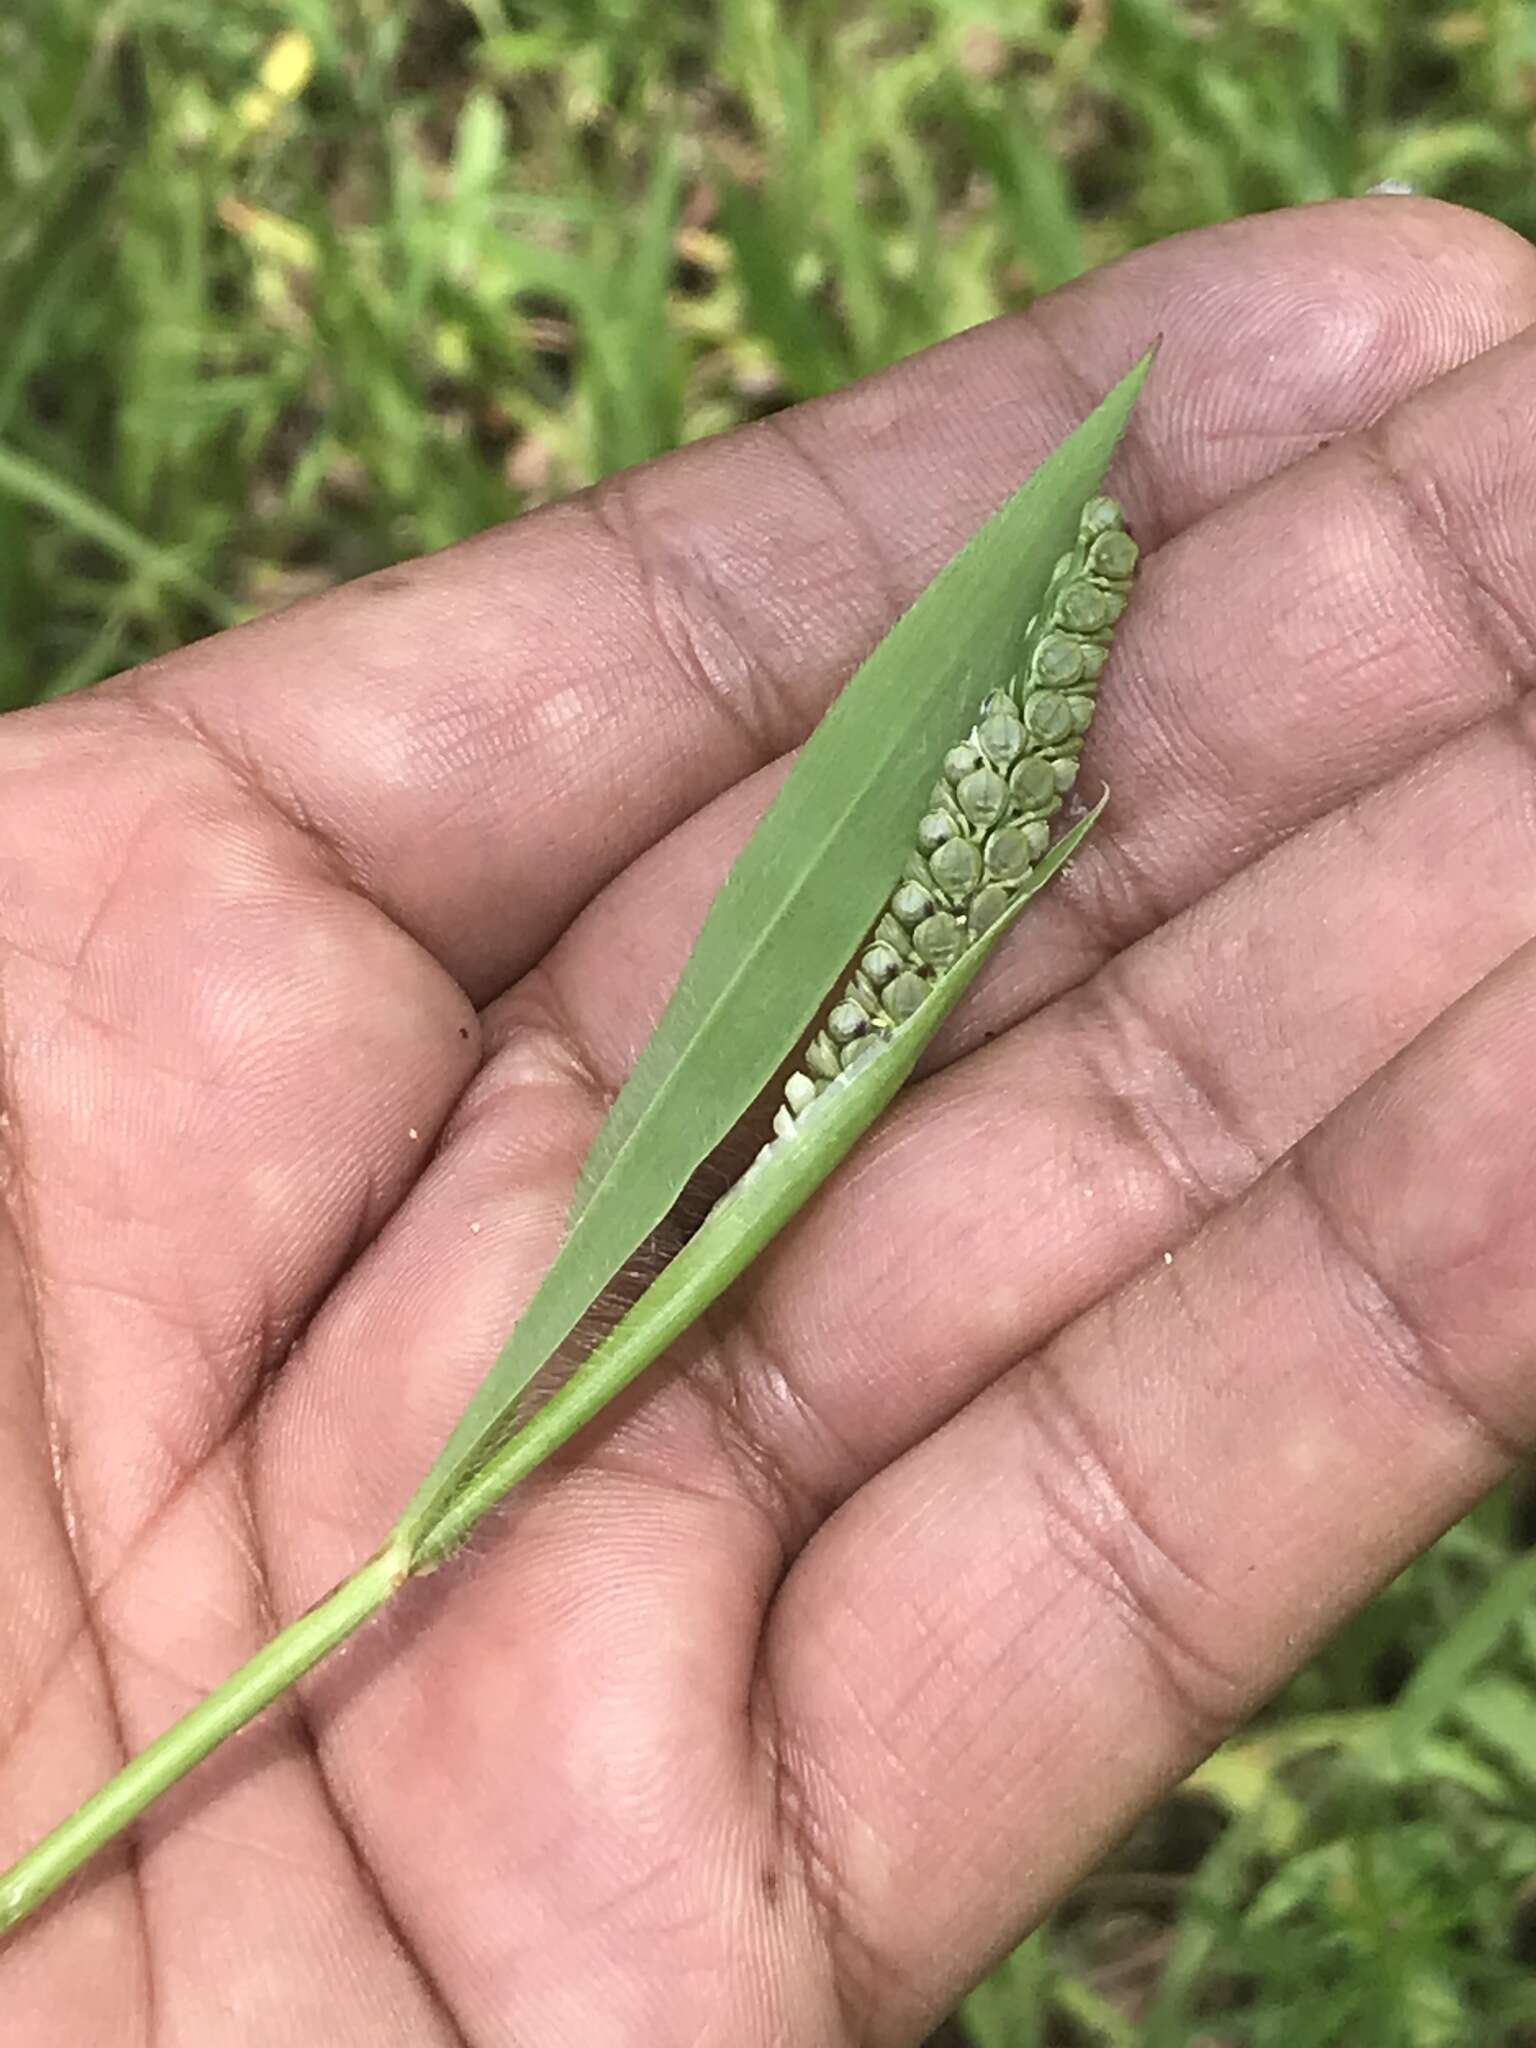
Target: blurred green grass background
(291, 292)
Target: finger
(485, 738)
(1012, 1639)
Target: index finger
(488, 736)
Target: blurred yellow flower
(286, 69)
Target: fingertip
(1284, 331)
(1474, 244)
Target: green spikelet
(988, 820)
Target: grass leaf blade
(808, 884)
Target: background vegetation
(291, 291)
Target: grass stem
(238, 1700)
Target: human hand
(970, 1520)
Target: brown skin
(971, 1522)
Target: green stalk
(982, 856)
(238, 1700)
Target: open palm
(1132, 1349)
